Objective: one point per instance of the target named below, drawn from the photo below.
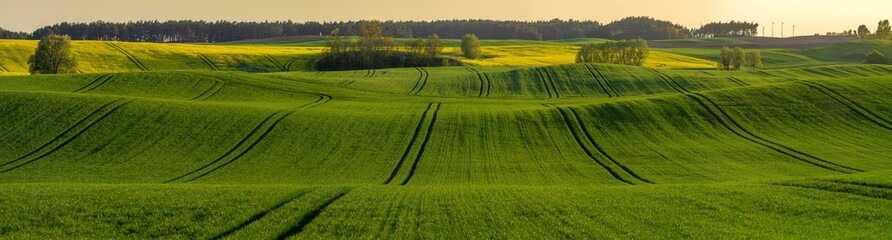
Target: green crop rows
(800, 150)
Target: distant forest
(225, 31)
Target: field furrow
(599, 80)
(410, 145)
(423, 146)
(207, 61)
(65, 137)
(854, 106)
(130, 56)
(423, 82)
(591, 140)
(282, 67)
(95, 83)
(544, 82)
(211, 91)
(240, 149)
(310, 216)
(738, 81)
(576, 136)
(730, 124)
(832, 187)
(257, 216)
(606, 81)
(554, 86)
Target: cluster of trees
(375, 50)
(883, 31)
(627, 52)
(642, 27)
(224, 31)
(6, 34)
(875, 57)
(729, 29)
(53, 56)
(734, 58)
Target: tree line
(6, 34)
(225, 31)
(728, 29)
(627, 52)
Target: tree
(417, 46)
(370, 36)
(863, 32)
(470, 46)
(754, 59)
(336, 42)
(875, 57)
(53, 56)
(434, 46)
(737, 58)
(725, 60)
(884, 30)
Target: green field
(246, 141)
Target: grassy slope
(487, 151)
(102, 57)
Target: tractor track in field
(211, 91)
(591, 139)
(99, 81)
(2, 68)
(258, 134)
(598, 80)
(207, 61)
(423, 146)
(552, 81)
(129, 56)
(488, 84)
(276, 63)
(243, 147)
(66, 136)
(588, 152)
(862, 184)
(485, 83)
(839, 189)
(260, 215)
(733, 126)
(289, 63)
(368, 74)
(421, 82)
(852, 105)
(412, 141)
(738, 81)
(606, 81)
(544, 82)
(310, 216)
(323, 99)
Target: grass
(522, 144)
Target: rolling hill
(178, 142)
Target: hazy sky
(810, 16)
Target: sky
(809, 16)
